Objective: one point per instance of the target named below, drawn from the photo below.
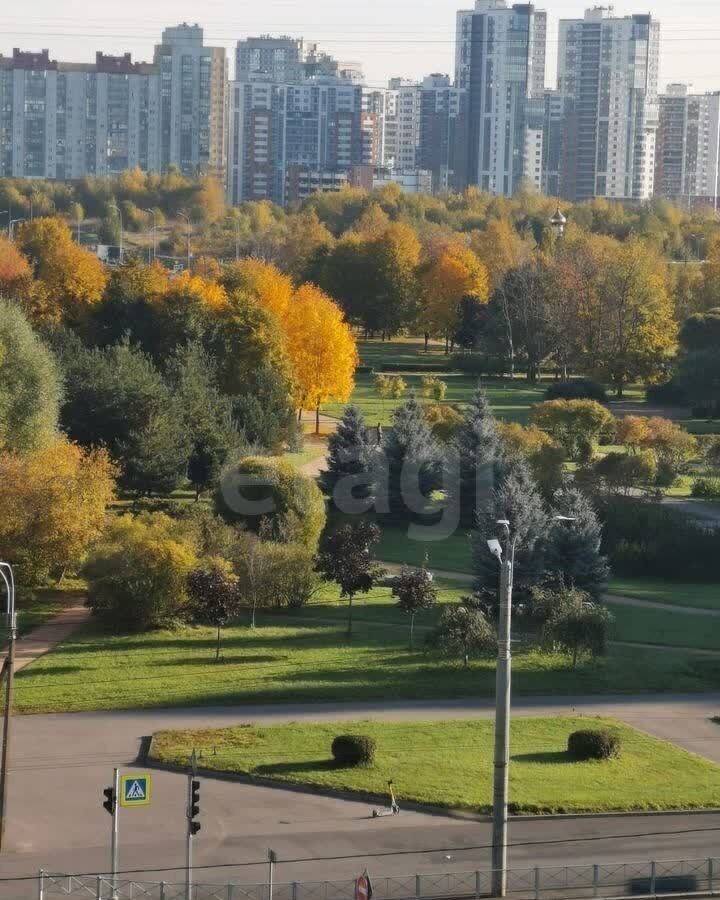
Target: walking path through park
(44, 638)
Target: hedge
(594, 744)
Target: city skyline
(389, 39)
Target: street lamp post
(120, 219)
(237, 235)
(154, 232)
(501, 766)
(8, 578)
(11, 226)
(503, 674)
(558, 223)
(188, 226)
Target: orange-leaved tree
(453, 273)
(70, 280)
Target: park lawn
(665, 627)
(449, 764)
(510, 400)
(294, 658)
(451, 554)
(658, 590)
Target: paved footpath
(42, 639)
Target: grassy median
(449, 764)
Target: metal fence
(678, 876)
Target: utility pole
(272, 859)
(111, 804)
(502, 717)
(114, 843)
(188, 226)
(193, 808)
(8, 578)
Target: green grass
(449, 764)
(305, 657)
(511, 401)
(452, 554)
(659, 626)
(703, 596)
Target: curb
(145, 759)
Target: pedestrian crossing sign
(135, 790)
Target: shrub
(706, 488)
(650, 539)
(594, 744)
(273, 499)
(137, 574)
(463, 631)
(445, 421)
(575, 424)
(582, 389)
(354, 749)
(479, 364)
(670, 393)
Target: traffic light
(109, 802)
(194, 809)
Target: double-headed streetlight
(120, 219)
(237, 235)
(153, 213)
(8, 579)
(188, 226)
(12, 224)
(505, 555)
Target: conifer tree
(573, 548)
(414, 460)
(477, 447)
(517, 500)
(349, 453)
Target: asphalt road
(61, 764)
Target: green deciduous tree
(137, 574)
(30, 385)
(464, 632)
(345, 558)
(212, 598)
(577, 625)
(415, 591)
(270, 497)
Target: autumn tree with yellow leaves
(52, 507)
(69, 280)
(322, 350)
(455, 272)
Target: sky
(409, 38)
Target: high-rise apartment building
(193, 81)
(687, 156)
(312, 129)
(65, 120)
(608, 85)
(443, 140)
(500, 62)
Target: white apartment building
(687, 158)
(500, 63)
(608, 87)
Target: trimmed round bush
(582, 389)
(353, 749)
(594, 744)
